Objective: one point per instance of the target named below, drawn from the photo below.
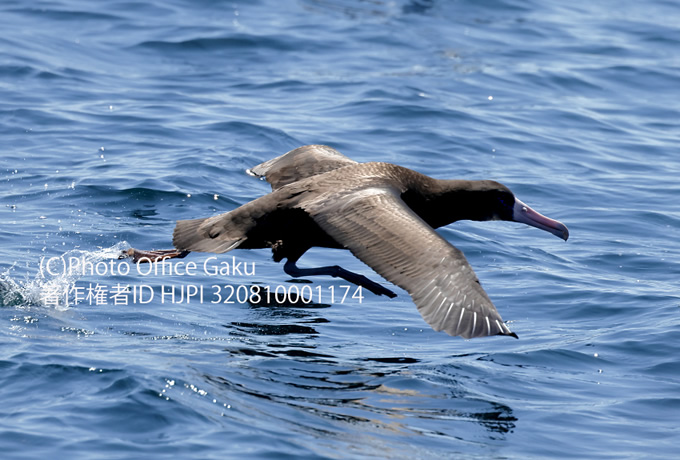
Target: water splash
(51, 288)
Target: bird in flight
(382, 213)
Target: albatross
(382, 213)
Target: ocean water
(118, 118)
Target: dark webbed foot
(152, 256)
(337, 272)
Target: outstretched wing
(305, 161)
(381, 230)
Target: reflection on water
(323, 398)
(367, 403)
(272, 329)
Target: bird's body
(385, 215)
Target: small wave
(52, 290)
(231, 42)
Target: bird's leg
(337, 272)
(152, 256)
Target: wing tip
(467, 332)
(509, 334)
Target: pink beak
(524, 214)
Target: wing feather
(300, 163)
(382, 231)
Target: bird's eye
(504, 201)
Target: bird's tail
(204, 235)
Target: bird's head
(505, 206)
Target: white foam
(52, 289)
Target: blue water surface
(118, 118)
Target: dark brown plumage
(385, 215)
